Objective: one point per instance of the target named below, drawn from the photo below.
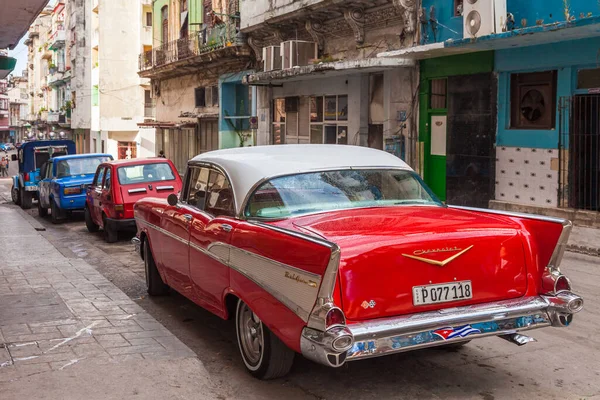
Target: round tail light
(335, 316)
(562, 284)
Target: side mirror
(172, 200)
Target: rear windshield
(143, 173)
(79, 166)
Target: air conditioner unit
(272, 58)
(298, 53)
(484, 17)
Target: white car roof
(247, 166)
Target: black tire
(15, 194)
(110, 235)
(91, 226)
(54, 212)
(42, 211)
(154, 283)
(263, 353)
(26, 199)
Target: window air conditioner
(298, 53)
(272, 57)
(484, 17)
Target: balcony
(57, 117)
(147, 35)
(57, 40)
(219, 44)
(150, 110)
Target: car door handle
(226, 227)
(188, 217)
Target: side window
(49, 173)
(99, 177)
(44, 171)
(219, 201)
(107, 180)
(198, 182)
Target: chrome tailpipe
(518, 339)
(562, 306)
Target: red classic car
(341, 253)
(117, 185)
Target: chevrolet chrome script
(299, 279)
(436, 262)
(442, 293)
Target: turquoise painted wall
(566, 57)
(532, 10)
(233, 101)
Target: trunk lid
(131, 193)
(388, 251)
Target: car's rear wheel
(110, 234)
(26, 199)
(14, 193)
(54, 212)
(265, 356)
(154, 283)
(92, 227)
(42, 211)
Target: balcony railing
(149, 110)
(205, 41)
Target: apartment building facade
(18, 107)
(108, 98)
(194, 68)
(4, 111)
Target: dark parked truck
(32, 155)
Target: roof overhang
(323, 70)
(7, 65)
(15, 18)
(532, 36)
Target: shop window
(588, 78)
(533, 100)
(439, 94)
(329, 120)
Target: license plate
(442, 293)
(31, 188)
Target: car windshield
(336, 190)
(79, 166)
(145, 173)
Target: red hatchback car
(119, 184)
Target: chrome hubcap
(250, 334)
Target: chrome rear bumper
(410, 332)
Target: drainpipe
(254, 112)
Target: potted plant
(52, 68)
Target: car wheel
(92, 227)
(154, 283)
(26, 199)
(54, 212)
(110, 235)
(42, 211)
(263, 353)
(14, 193)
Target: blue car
(32, 155)
(64, 181)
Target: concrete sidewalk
(68, 333)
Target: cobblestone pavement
(58, 313)
(563, 364)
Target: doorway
(127, 150)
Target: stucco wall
(144, 138)
(177, 96)
(81, 81)
(121, 97)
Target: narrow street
(563, 364)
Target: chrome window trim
(242, 213)
(220, 169)
(138, 190)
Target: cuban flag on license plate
(451, 333)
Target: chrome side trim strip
(139, 190)
(295, 288)
(324, 301)
(512, 214)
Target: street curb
(32, 221)
(590, 251)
